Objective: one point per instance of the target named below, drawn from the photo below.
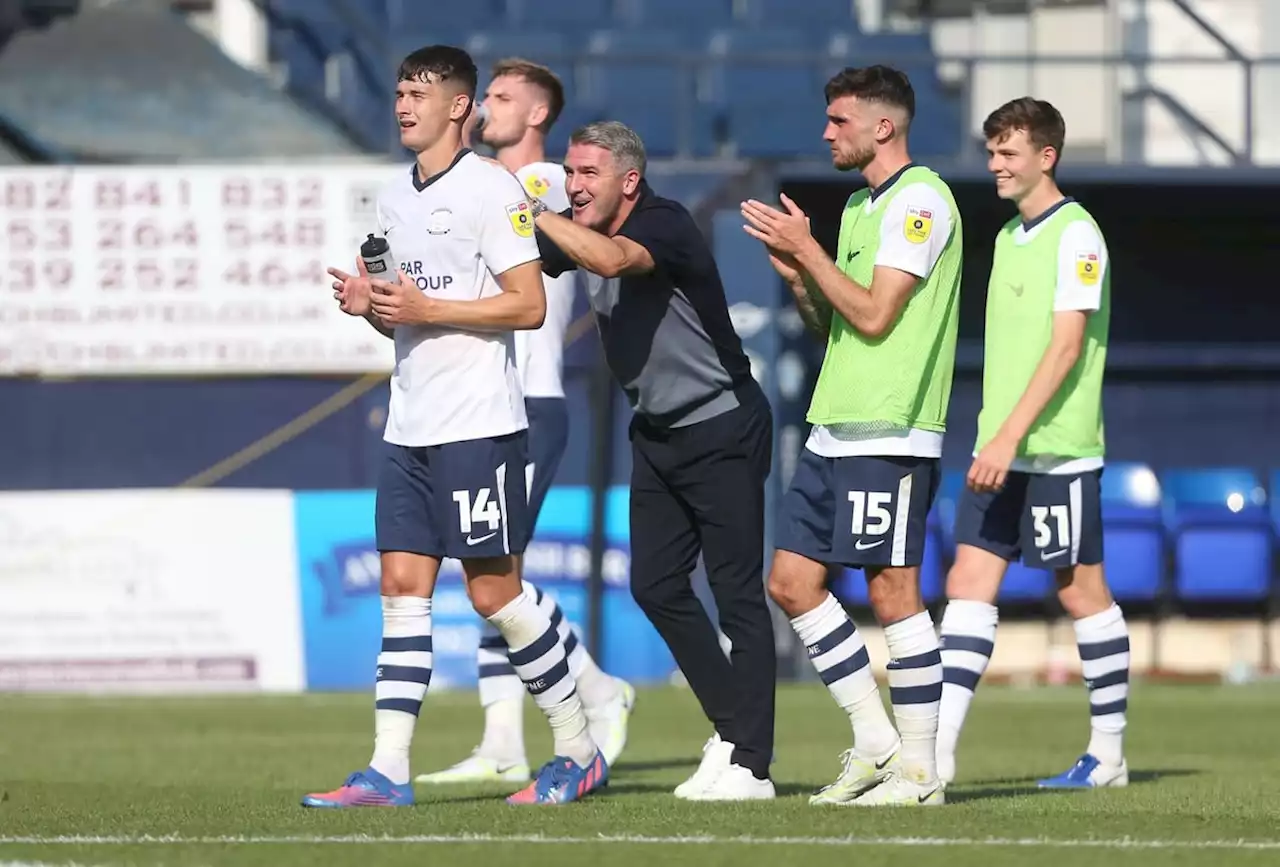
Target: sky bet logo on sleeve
(1087, 267)
(521, 218)
(433, 282)
(918, 225)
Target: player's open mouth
(581, 204)
(406, 124)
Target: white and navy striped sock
(968, 640)
(404, 671)
(839, 654)
(1103, 640)
(915, 689)
(538, 656)
(595, 688)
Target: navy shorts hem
(466, 500)
(859, 511)
(1044, 521)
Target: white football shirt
(540, 353)
(898, 252)
(452, 235)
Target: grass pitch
(203, 781)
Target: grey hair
(618, 139)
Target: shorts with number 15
(858, 511)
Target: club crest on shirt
(536, 186)
(918, 225)
(521, 217)
(1087, 268)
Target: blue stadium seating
(629, 76)
(1133, 532)
(684, 14)
(812, 14)
(570, 16)
(1222, 535)
(771, 107)
(414, 16)
(549, 47)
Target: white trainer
(858, 774)
(479, 769)
(899, 790)
(735, 783)
(716, 754)
(608, 727)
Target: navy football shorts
(464, 500)
(1049, 522)
(858, 511)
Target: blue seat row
(1189, 536)
(589, 14)
(694, 79)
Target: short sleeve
(554, 260)
(505, 234)
(545, 181)
(667, 232)
(914, 231)
(1082, 265)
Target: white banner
(149, 591)
(183, 270)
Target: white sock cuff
(406, 606)
(1103, 625)
(818, 623)
(520, 621)
(911, 637)
(964, 616)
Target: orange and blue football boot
(562, 780)
(366, 788)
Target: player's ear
(1048, 159)
(462, 106)
(630, 182)
(885, 128)
(538, 115)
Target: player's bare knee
(405, 574)
(492, 583)
(976, 575)
(1083, 591)
(796, 584)
(894, 593)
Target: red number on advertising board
(111, 274)
(110, 234)
(185, 274)
(58, 273)
(236, 193)
(149, 276)
(309, 233)
(22, 236)
(310, 193)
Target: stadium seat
(567, 16)
(813, 14)
(630, 75)
(547, 47)
(684, 14)
(1133, 532)
(411, 17)
(765, 86)
(1222, 535)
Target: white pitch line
(496, 839)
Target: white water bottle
(378, 261)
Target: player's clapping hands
(785, 232)
(352, 292)
(400, 302)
